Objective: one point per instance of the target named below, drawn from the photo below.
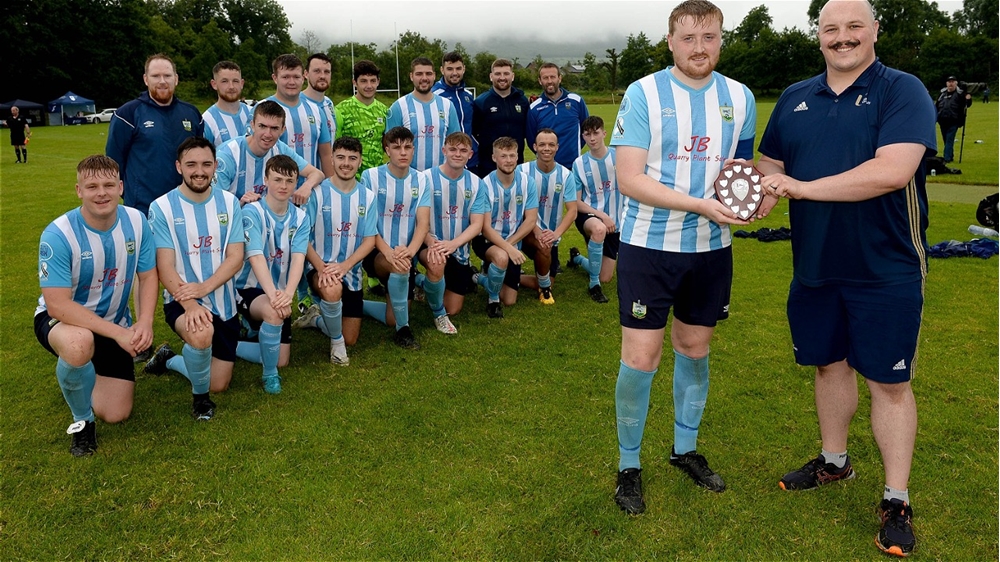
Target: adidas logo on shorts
(901, 366)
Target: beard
(230, 98)
(198, 184)
(162, 95)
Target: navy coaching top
(143, 138)
(817, 133)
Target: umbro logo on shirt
(901, 366)
(148, 124)
(669, 112)
(801, 107)
(493, 109)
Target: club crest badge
(223, 218)
(361, 210)
(130, 247)
(187, 125)
(414, 191)
(638, 310)
(727, 113)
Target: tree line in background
(97, 48)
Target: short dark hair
(501, 62)
(288, 61)
(192, 143)
(592, 123)
(453, 56)
(550, 65)
(366, 68)
(318, 56)
(225, 65)
(281, 164)
(349, 144)
(396, 134)
(420, 61)
(269, 108)
(545, 130)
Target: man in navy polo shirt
(559, 110)
(845, 147)
(144, 135)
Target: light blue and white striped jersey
(199, 234)
(599, 185)
(222, 126)
(305, 128)
(396, 202)
(455, 201)
(508, 204)
(276, 238)
(98, 266)
(329, 113)
(429, 122)
(555, 189)
(340, 223)
(238, 170)
(689, 134)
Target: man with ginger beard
(144, 135)
(228, 118)
(502, 111)
(675, 129)
(858, 212)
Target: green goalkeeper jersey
(365, 123)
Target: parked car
(102, 117)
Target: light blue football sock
(270, 347)
(77, 384)
(399, 286)
(419, 280)
(248, 351)
(690, 394)
(435, 295)
(374, 309)
(494, 281)
(176, 363)
(595, 255)
(332, 319)
(631, 407)
(197, 368)
(544, 281)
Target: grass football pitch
(496, 443)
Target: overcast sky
(475, 22)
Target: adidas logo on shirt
(801, 107)
(901, 366)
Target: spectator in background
(951, 106)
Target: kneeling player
(199, 248)
(277, 235)
(341, 212)
(557, 188)
(600, 209)
(88, 260)
(459, 199)
(512, 216)
(403, 206)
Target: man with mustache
(674, 130)
(846, 148)
(500, 112)
(199, 235)
(228, 118)
(319, 69)
(430, 117)
(144, 135)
